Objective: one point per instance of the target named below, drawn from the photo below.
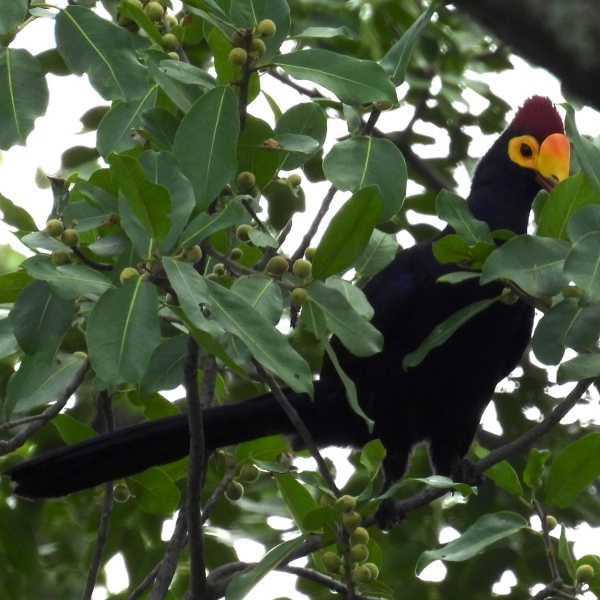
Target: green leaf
(155, 492)
(266, 343)
(103, 51)
(239, 588)
(161, 127)
(453, 248)
(144, 206)
(582, 265)
(352, 80)
(502, 473)
(535, 264)
(165, 370)
(457, 277)
(566, 325)
(564, 552)
(163, 169)
(204, 225)
(587, 154)
(379, 253)
(563, 202)
(353, 294)
(360, 161)
(13, 13)
(252, 154)
(355, 332)
(296, 497)
(323, 32)
(444, 330)
(484, 532)
(123, 331)
(15, 216)
(8, 342)
(39, 320)
(69, 281)
(211, 164)
(574, 468)
(71, 430)
(396, 60)
(579, 368)
(455, 211)
(182, 94)
(41, 379)
(12, 284)
(262, 293)
(115, 132)
(348, 233)
(585, 220)
(23, 95)
(306, 119)
(535, 467)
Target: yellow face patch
(550, 160)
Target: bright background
(23, 172)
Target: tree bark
(562, 36)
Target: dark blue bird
(439, 402)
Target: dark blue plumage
(439, 402)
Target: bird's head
(538, 141)
(531, 154)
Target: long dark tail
(133, 449)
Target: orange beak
(553, 160)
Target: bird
(438, 402)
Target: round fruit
(551, 522)
(173, 55)
(192, 255)
(237, 38)
(362, 574)
(298, 296)
(278, 265)
(61, 257)
(294, 179)
(137, 3)
(351, 521)
(128, 273)
(219, 270)
(154, 11)
(170, 42)
(234, 491)
(348, 503)
(266, 28)
(54, 227)
(80, 355)
(571, 291)
(171, 300)
(359, 553)
(327, 500)
(309, 253)
(383, 105)
(213, 277)
(258, 47)
(302, 268)
(249, 473)
(69, 237)
(242, 232)
(171, 20)
(121, 493)
(373, 568)
(331, 562)
(245, 180)
(360, 536)
(584, 573)
(236, 254)
(238, 56)
(508, 297)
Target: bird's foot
(465, 472)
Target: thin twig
(166, 568)
(105, 402)
(218, 493)
(90, 262)
(299, 425)
(196, 464)
(270, 252)
(48, 414)
(305, 243)
(370, 124)
(295, 86)
(547, 542)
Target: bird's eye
(526, 150)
